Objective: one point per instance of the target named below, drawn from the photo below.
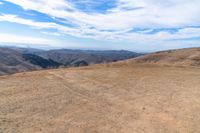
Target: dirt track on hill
(102, 99)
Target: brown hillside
(182, 57)
(102, 99)
(12, 61)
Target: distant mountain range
(13, 59)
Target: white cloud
(6, 38)
(51, 33)
(85, 32)
(39, 25)
(15, 19)
(128, 14)
(153, 13)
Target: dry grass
(182, 57)
(102, 99)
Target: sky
(136, 25)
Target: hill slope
(39, 61)
(13, 59)
(125, 98)
(181, 57)
(128, 99)
(76, 57)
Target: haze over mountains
(15, 59)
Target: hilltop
(181, 57)
(124, 97)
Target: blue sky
(137, 25)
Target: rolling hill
(13, 59)
(136, 96)
(75, 57)
(181, 57)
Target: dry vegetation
(183, 57)
(123, 98)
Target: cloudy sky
(138, 25)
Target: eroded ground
(102, 99)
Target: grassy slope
(122, 98)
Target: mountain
(14, 59)
(86, 57)
(11, 61)
(136, 96)
(39, 61)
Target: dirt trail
(102, 99)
